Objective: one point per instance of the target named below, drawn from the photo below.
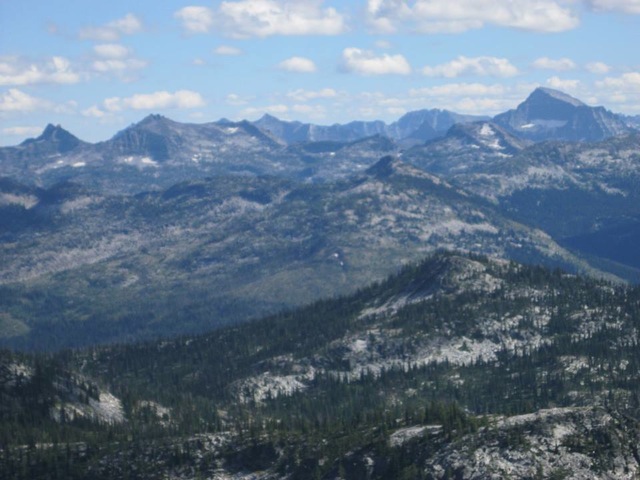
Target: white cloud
(227, 50)
(56, 70)
(445, 16)
(14, 100)
(22, 131)
(112, 31)
(471, 98)
(625, 6)
(562, 84)
(367, 63)
(297, 64)
(94, 112)
(302, 95)
(598, 67)
(195, 19)
(113, 58)
(483, 66)
(263, 18)
(385, 15)
(155, 101)
(118, 66)
(626, 83)
(111, 50)
(560, 64)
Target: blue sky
(95, 67)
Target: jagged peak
(55, 134)
(152, 119)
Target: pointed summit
(54, 138)
(549, 114)
(549, 95)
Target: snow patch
(486, 130)
(27, 201)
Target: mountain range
(171, 228)
(158, 152)
(440, 297)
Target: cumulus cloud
(598, 67)
(297, 64)
(301, 95)
(14, 100)
(562, 84)
(115, 59)
(483, 66)
(444, 16)
(227, 50)
(111, 50)
(626, 83)
(471, 98)
(118, 65)
(560, 64)
(56, 70)
(366, 62)
(150, 101)
(195, 19)
(263, 18)
(114, 30)
(94, 112)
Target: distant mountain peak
(152, 119)
(268, 116)
(56, 136)
(53, 132)
(544, 92)
(549, 114)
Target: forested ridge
(451, 348)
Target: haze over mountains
(247, 213)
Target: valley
(444, 296)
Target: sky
(96, 67)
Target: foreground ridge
(460, 366)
